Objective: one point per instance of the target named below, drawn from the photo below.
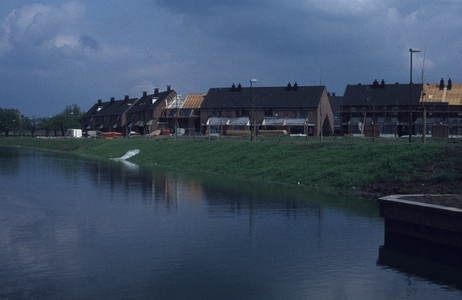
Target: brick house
(144, 117)
(107, 116)
(387, 106)
(295, 109)
(186, 112)
(442, 104)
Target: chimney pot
(112, 99)
(295, 86)
(449, 83)
(156, 91)
(168, 88)
(239, 87)
(100, 101)
(127, 97)
(145, 93)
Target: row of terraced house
(364, 110)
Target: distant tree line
(12, 121)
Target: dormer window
(154, 100)
(99, 108)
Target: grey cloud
(88, 41)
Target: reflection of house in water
(158, 187)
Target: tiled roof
(147, 101)
(264, 97)
(193, 101)
(381, 94)
(452, 95)
(110, 108)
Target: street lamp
(410, 97)
(252, 110)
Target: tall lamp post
(410, 97)
(252, 109)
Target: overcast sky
(57, 53)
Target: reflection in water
(74, 228)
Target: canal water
(76, 228)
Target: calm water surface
(73, 228)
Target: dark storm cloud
(88, 41)
(202, 7)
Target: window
(276, 112)
(237, 112)
(303, 113)
(268, 112)
(295, 112)
(186, 112)
(245, 113)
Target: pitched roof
(193, 101)
(264, 97)
(150, 102)
(110, 108)
(450, 93)
(381, 94)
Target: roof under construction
(450, 93)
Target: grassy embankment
(378, 168)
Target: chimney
(112, 100)
(375, 84)
(289, 86)
(156, 91)
(168, 88)
(100, 101)
(295, 86)
(449, 83)
(239, 87)
(441, 84)
(233, 88)
(145, 93)
(126, 97)
(382, 84)
(333, 94)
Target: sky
(58, 53)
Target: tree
(45, 124)
(70, 117)
(30, 124)
(423, 67)
(10, 120)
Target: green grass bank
(371, 168)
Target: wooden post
(364, 125)
(424, 130)
(321, 128)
